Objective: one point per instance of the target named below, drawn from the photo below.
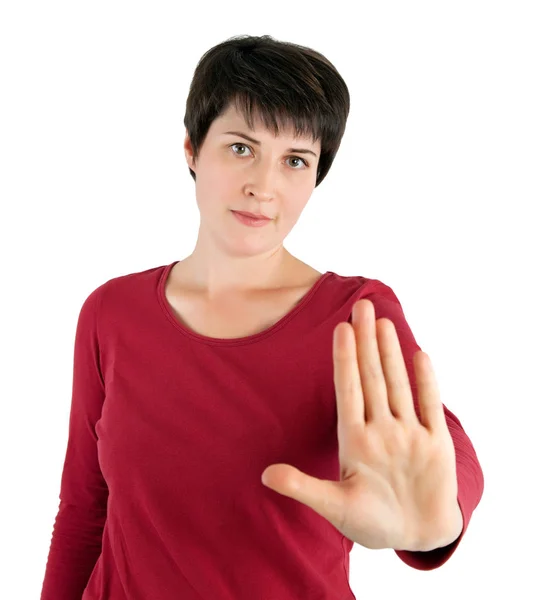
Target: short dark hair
(285, 84)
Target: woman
(206, 436)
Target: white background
(431, 192)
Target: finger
(349, 394)
(431, 407)
(373, 382)
(399, 390)
(323, 496)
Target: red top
(161, 495)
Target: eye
(291, 157)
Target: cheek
(290, 214)
(298, 206)
(216, 185)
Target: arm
(79, 524)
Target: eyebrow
(247, 137)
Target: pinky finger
(432, 415)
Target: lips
(253, 215)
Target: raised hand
(398, 487)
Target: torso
(236, 316)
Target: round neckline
(167, 309)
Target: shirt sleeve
(469, 473)
(78, 528)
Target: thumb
(323, 496)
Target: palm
(398, 486)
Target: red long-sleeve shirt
(161, 495)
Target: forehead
(234, 119)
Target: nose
(262, 180)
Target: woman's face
(234, 173)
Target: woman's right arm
(79, 524)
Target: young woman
(231, 433)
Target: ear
(188, 150)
